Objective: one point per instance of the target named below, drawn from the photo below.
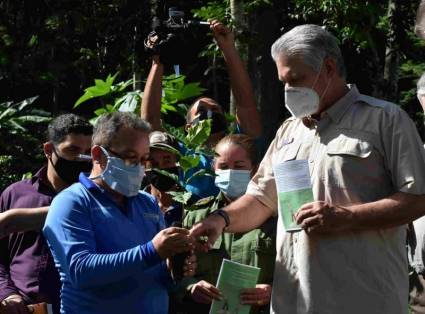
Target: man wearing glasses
(107, 237)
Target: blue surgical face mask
(122, 178)
(232, 183)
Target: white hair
(312, 43)
(420, 85)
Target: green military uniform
(255, 248)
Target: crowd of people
(96, 230)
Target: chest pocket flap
(290, 152)
(343, 145)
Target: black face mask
(161, 181)
(218, 121)
(69, 170)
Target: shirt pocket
(346, 146)
(348, 161)
(287, 152)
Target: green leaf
(129, 102)
(17, 125)
(121, 86)
(27, 175)
(33, 41)
(24, 103)
(166, 107)
(198, 133)
(101, 88)
(30, 118)
(191, 90)
(100, 111)
(94, 120)
(110, 79)
(7, 40)
(178, 133)
(188, 162)
(201, 172)
(167, 174)
(9, 112)
(181, 197)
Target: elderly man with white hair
(367, 168)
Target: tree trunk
(264, 27)
(392, 52)
(238, 18)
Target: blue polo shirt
(105, 257)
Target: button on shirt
(26, 265)
(362, 150)
(105, 257)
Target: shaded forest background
(55, 49)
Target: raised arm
(151, 101)
(247, 114)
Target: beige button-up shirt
(362, 150)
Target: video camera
(176, 21)
(168, 36)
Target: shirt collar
(41, 183)
(86, 182)
(338, 109)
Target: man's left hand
(320, 217)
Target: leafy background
(65, 51)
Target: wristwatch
(223, 214)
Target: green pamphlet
(232, 279)
(293, 185)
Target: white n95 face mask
(301, 101)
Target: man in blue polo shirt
(106, 236)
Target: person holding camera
(247, 115)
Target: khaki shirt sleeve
(262, 185)
(404, 154)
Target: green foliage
(7, 176)
(101, 88)
(20, 125)
(176, 90)
(412, 71)
(117, 97)
(351, 21)
(112, 97)
(181, 197)
(14, 117)
(197, 134)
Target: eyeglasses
(130, 161)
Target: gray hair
(312, 43)
(420, 85)
(109, 124)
